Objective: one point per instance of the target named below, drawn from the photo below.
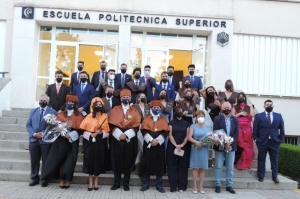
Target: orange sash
(132, 118)
(92, 124)
(160, 125)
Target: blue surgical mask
(70, 106)
(125, 101)
(155, 111)
(147, 72)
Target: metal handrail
(3, 73)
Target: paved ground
(22, 190)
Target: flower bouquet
(208, 140)
(54, 129)
(224, 139)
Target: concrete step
(21, 109)
(12, 127)
(13, 120)
(16, 113)
(209, 182)
(14, 136)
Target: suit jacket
(95, 79)
(74, 81)
(262, 129)
(107, 108)
(149, 87)
(175, 83)
(170, 92)
(118, 78)
(219, 123)
(101, 92)
(58, 101)
(86, 97)
(197, 83)
(135, 91)
(34, 125)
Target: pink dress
(245, 140)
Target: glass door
(111, 56)
(158, 59)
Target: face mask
(125, 101)
(70, 106)
(123, 71)
(211, 94)
(98, 108)
(143, 100)
(83, 79)
(43, 104)
(103, 68)
(147, 72)
(187, 85)
(179, 114)
(269, 109)
(241, 100)
(228, 86)
(226, 111)
(192, 72)
(80, 68)
(58, 79)
(170, 74)
(155, 111)
(201, 120)
(164, 80)
(112, 77)
(163, 96)
(188, 98)
(137, 76)
(109, 95)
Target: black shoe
(160, 189)
(260, 179)
(44, 183)
(96, 188)
(276, 180)
(218, 189)
(144, 188)
(33, 182)
(126, 186)
(90, 189)
(230, 189)
(115, 187)
(62, 187)
(67, 187)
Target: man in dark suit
(150, 83)
(268, 133)
(136, 86)
(195, 80)
(111, 81)
(109, 100)
(85, 93)
(37, 147)
(99, 76)
(75, 78)
(58, 92)
(173, 80)
(166, 86)
(230, 125)
(122, 77)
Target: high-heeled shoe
(90, 189)
(62, 187)
(67, 187)
(195, 191)
(96, 188)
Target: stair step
(209, 182)
(16, 136)
(21, 109)
(16, 113)
(13, 120)
(13, 127)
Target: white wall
(4, 96)
(2, 44)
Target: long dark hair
(210, 99)
(94, 112)
(238, 103)
(192, 101)
(167, 96)
(76, 112)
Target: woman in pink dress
(244, 112)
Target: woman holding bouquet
(95, 126)
(244, 112)
(63, 154)
(199, 152)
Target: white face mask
(147, 72)
(112, 77)
(201, 120)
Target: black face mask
(109, 95)
(137, 76)
(228, 86)
(103, 68)
(164, 80)
(98, 108)
(163, 96)
(191, 73)
(123, 71)
(43, 104)
(179, 114)
(170, 74)
(143, 100)
(125, 101)
(187, 85)
(58, 79)
(241, 100)
(211, 94)
(269, 109)
(83, 79)
(80, 68)
(226, 111)
(188, 98)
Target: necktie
(123, 80)
(165, 87)
(82, 88)
(192, 78)
(41, 114)
(102, 74)
(146, 80)
(137, 84)
(109, 101)
(57, 88)
(269, 119)
(170, 80)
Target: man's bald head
(226, 105)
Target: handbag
(181, 153)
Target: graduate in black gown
(154, 129)
(178, 165)
(62, 157)
(96, 132)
